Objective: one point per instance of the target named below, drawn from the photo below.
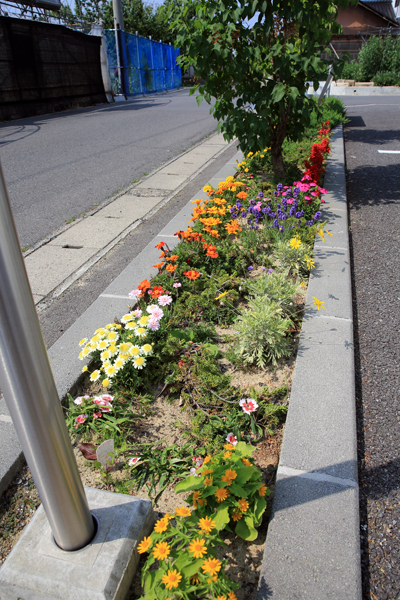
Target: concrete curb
(312, 550)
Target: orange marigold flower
(232, 596)
(262, 490)
(243, 504)
(183, 511)
(173, 257)
(208, 481)
(143, 286)
(229, 446)
(212, 254)
(206, 524)
(161, 551)
(231, 474)
(236, 515)
(197, 201)
(171, 268)
(233, 227)
(211, 566)
(160, 245)
(207, 459)
(179, 233)
(221, 494)
(214, 233)
(198, 548)
(241, 195)
(144, 545)
(220, 598)
(227, 455)
(162, 254)
(226, 479)
(208, 471)
(196, 497)
(171, 579)
(246, 462)
(202, 501)
(194, 580)
(161, 525)
(192, 274)
(158, 266)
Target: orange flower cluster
(192, 274)
(211, 250)
(143, 286)
(233, 227)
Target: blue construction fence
(139, 65)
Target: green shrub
(351, 70)
(276, 287)
(262, 333)
(380, 55)
(386, 78)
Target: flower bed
(241, 266)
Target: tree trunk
(277, 161)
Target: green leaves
(245, 529)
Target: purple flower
(317, 215)
(270, 271)
(250, 268)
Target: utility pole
(118, 14)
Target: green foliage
(228, 488)
(351, 70)
(104, 415)
(379, 60)
(257, 75)
(292, 259)
(184, 560)
(386, 78)
(159, 466)
(262, 333)
(276, 287)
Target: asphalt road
(59, 166)
(373, 192)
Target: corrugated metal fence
(139, 65)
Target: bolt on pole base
(37, 569)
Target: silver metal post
(27, 383)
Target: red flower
(160, 246)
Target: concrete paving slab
(319, 431)
(11, 457)
(3, 408)
(331, 282)
(217, 139)
(37, 569)
(312, 543)
(50, 265)
(92, 232)
(162, 181)
(129, 207)
(337, 225)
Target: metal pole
(29, 390)
(118, 14)
(139, 63)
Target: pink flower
(290, 201)
(156, 312)
(96, 415)
(134, 294)
(177, 285)
(232, 439)
(153, 324)
(81, 419)
(313, 193)
(107, 408)
(198, 461)
(132, 461)
(137, 313)
(106, 397)
(323, 190)
(307, 198)
(249, 405)
(164, 300)
(78, 400)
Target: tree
(257, 74)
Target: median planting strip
(316, 502)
